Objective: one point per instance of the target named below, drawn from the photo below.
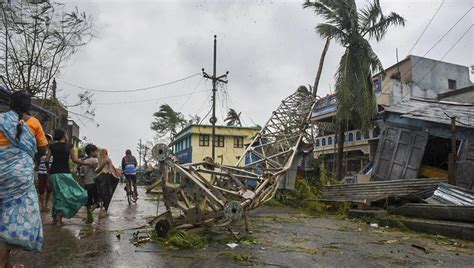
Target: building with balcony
(193, 143)
(359, 147)
(414, 77)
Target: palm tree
(233, 118)
(167, 121)
(353, 29)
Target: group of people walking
(24, 148)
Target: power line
(210, 110)
(189, 96)
(442, 37)
(452, 27)
(426, 27)
(131, 90)
(447, 52)
(233, 104)
(150, 100)
(202, 105)
(437, 62)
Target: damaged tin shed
(416, 141)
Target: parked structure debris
(367, 193)
(452, 195)
(415, 141)
(210, 193)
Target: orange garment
(37, 130)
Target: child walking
(89, 176)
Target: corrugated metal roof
(449, 194)
(373, 191)
(435, 111)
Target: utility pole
(140, 153)
(214, 79)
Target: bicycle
(129, 192)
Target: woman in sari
(68, 195)
(21, 136)
(108, 179)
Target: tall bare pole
(453, 156)
(140, 153)
(214, 79)
(320, 67)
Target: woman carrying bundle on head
(68, 195)
(21, 136)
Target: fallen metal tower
(205, 192)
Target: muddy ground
(280, 236)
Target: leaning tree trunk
(340, 152)
(320, 67)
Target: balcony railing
(350, 136)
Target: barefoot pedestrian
(108, 179)
(21, 136)
(68, 195)
(44, 186)
(89, 176)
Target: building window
(329, 140)
(204, 140)
(358, 136)
(219, 141)
(317, 142)
(323, 142)
(366, 136)
(238, 142)
(452, 84)
(375, 132)
(350, 137)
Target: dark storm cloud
(269, 47)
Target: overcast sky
(269, 48)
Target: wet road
(282, 237)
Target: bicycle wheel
(129, 195)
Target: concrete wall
(429, 84)
(418, 81)
(388, 82)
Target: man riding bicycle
(129, 168)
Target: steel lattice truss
(209, 193)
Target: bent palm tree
(352, 29)
(167, 121)
(233, 118)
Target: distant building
(193, 143)
(61, 118)
(419, 78)
(44, 115)
(73, 132)
(413, 77)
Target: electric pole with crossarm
(215, 79)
